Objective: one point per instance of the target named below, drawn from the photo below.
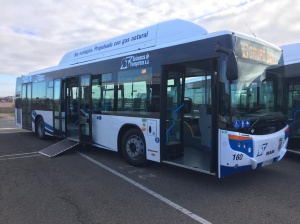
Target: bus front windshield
(256, 99)
(253, 91)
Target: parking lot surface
(91, 185)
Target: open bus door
(57, 114)
(26, 106)
(187, 126)
(78, 108)
(85, 109)
(173, 111)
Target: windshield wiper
(260, 116)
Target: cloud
(224, 8)
(36, 35)
(273, 21)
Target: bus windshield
(257, 97)
(257, 104)
(253, 91)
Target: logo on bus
(261, 149)
(270, 152)
(135, 61)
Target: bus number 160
(237, 156)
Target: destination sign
(257, 52)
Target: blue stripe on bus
(48, 127)
(102, 146)
(48, 132)
(226, 170)
(33, 115)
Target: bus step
(59, 147)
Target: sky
(36, 34)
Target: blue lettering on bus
(135, 61)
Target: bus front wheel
(134, 147)
(40, 128)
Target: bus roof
(149, 37)
(157, 36)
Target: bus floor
(195, 158)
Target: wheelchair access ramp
(59, 147)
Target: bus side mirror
(231, 67)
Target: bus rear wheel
(40, 128)
(134, 147)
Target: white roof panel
(152, 36)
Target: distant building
(7, 99)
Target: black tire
(40, 128)
(134, 147)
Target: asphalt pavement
(91, 185)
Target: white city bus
(171, 93)
(291, 54)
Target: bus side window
(155, 105)
(137, 104)
(96, 94)
(107, 106)
(107, 93)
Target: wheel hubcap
(135, 147)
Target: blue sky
(35, 34)
(7, 85)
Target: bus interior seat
(152, 105)
(137, 104)
(191, 135)
(74, 105)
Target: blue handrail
(174, 113)
(294, 121)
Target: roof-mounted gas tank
(149, 37)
